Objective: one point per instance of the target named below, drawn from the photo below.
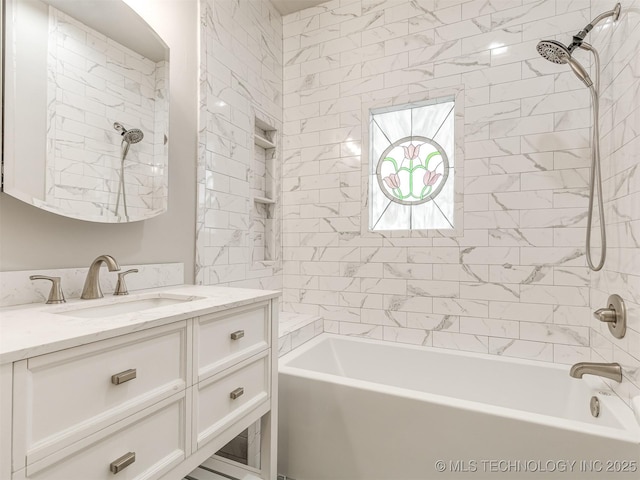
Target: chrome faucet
(92, 288)
(612, 371)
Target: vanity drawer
(156, 437)
(224, 339)
(223, 399)
(64, 396)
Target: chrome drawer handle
(123, 462)
(122, 377)
(238, 392)
(237, 335)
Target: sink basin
(125, 306)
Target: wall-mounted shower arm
(615, 13)
(580, 36)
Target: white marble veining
(17, 289)
(240, 80)
(27, 331)
(620, 133)
(93, 82)
(514, 280)
(294, 329)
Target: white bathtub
(361, 409)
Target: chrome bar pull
(123, 462)
(237, 335)
(123, 377)
(238, 392)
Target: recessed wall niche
(263, 192)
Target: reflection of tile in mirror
(93, 82)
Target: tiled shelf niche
(263, 191)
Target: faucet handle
(121, 286)
(56, 295)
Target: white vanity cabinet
(151, 404)
(143, 445)
(62, 397)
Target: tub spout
(612, 371)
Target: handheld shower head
(553, 51)
(130, 136)
(556, 52)
(580, 72)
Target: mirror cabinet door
(86, 110)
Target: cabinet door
(226, 338)
(143, 446)
(226, 398)
(64, 396)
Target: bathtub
(361, 409)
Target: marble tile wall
(240, 79)
(516, 282)
(93, 82)
(620, 150)
(296, 329)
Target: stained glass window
(411, 165)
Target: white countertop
(36, 329)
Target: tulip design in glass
(411, 158)
(413, 170)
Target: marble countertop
(36, 329)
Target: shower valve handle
(606, 315)
(614, 315)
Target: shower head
(553, 51)
(556, 52)
(130, 136)
(133, 136)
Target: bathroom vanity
(146, 386)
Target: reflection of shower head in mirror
(130, 136)
(134, 135)
(119, 128)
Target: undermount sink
(125, 306)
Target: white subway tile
(461, 341)
(521, 349)
(489, 327)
